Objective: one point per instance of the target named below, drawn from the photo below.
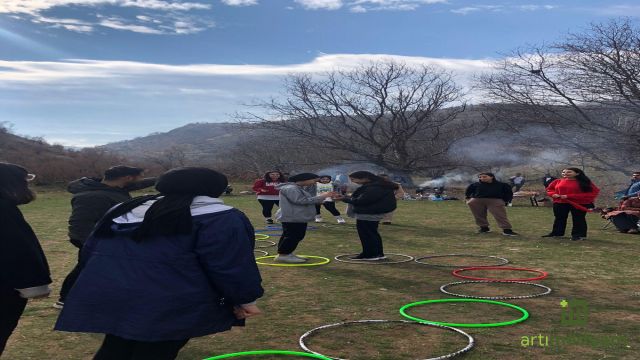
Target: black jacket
(373, 198)
(492, 190)
(22, 261)
(91, 200)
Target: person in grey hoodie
(297, 207)
(92, 198)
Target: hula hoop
(323, 261)
(457, 272)
(524, 312)
(261, 236)
(271, 243)
(470, 339)
(502, 261)
(261, 252)
(376, 262)
(268, 352)
(546, 292)
(273, 227)
(339, 226)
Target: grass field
(602, 270)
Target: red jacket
(571, 188)
(265, 188)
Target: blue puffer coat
(165, 288)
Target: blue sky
(87, 72)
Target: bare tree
(390, 114)
(585, 90)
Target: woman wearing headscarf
(159, 270)
(24, 271)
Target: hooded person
(298, 201)
(159, 270)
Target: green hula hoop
(269, 352)
(262, 236)
(323, 261)
(525, 314)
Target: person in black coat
(159, 270)
(24, 271)
(368, 204)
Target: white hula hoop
(375, 262)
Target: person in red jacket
(571, 194)
(268, 195)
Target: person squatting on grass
(574, 193)
(368, 205)
(267, 192)
(92, 198)
(489, 194)
(161, 269)
(24, 271)
(297, 207)
(626, 217)
(324, 186)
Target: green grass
(602, 270)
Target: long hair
(170, 214)
(13, 184)
(267, 178)
(373, 178)
(583, 181)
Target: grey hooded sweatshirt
(297, 204)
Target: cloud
(158, 17)
(501, 8)
(363, 6)
(240, 2)
(618, 10)
(320, 4)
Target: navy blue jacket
(165, 288)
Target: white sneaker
(319, 218)
(289, 259)
(340, 220)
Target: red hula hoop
(543, 274)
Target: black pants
(68, 282)
(11, 308)
(625, 222)
(267, 206)
(370, 238)
(578, 217)
(117, 348)
(292, 234)
(329, 205)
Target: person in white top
(325, 186)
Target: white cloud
(320, 4)
(618, 10)
(465, 10)
(240, 2)
(363, 6)
(500, 8)
(171, 11)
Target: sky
(88, 72)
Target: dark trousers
(625, 222)
(117, 348)
(329, 205)
(68, 282)
(267, 206)
(369, 238)
(578, 217)
(11, 308)
(292, 234)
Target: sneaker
(58, 305)
(633, 231)
(340, 220)
(576, 238)
(289, 259)
(374, 258)
(552, 236)
(509, 232)
(269, 221)
(484, 229)
(319, 218)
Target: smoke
(346, 169)
(448, 179)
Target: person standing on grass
(24, 271)
(162, 269)
(490, 195)
(399, 192)
(368, 204)
(324, 185)
(297, 207)
(574, 193)
(267, 192)
(92, 198)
